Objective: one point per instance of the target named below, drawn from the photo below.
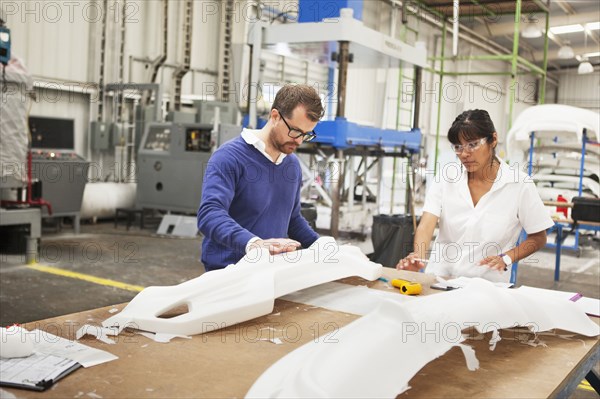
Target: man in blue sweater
(251, 190)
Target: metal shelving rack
(516, 61)
(561, 225)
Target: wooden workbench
(226, 363)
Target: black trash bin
(13, 239)
(392, 237)
(309, 211)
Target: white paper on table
(591, 306)
(461, 282)
(571, 296)
(50, 344)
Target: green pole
(513, 68)
(476, 73)
(491, 57)
(432, 70)
(531, 66)
(439, 113)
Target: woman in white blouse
(481, 205)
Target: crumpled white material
(14, 134)
(377, 355)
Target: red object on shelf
(31, 202)
(562, 209)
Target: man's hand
(277, 245)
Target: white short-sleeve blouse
(469, 233)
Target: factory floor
(104, 265)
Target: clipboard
(37, 372)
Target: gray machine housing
(171, 163)
(64, 175)
(228, 112)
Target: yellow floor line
(85, 277)
(585, 386)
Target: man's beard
(286, 147)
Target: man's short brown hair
(292, 95)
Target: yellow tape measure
(407, 287)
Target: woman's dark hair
(472, 125)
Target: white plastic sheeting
(102, 199)
(420, 330)
(243, 291)
(13, 121)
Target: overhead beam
(507, 28)
(472, 7)
(565, 6)
(553, 54)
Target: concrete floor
(142, 258)
(137, 257)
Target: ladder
(406, 100)
(406, 79)
(225, 49)
(188, 14)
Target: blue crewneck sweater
(244, 195)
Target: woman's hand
(411, 263)
(494, 263)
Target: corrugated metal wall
(59, 42)
(581, 91)
(50, 37)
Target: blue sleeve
(221, 177)
(299, 228)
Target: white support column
(256, 38)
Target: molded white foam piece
(358, 300)
(573, 180)
(419, 330)
(15, 342)
(243, 291)
(553, 120)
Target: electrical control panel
(170, 167)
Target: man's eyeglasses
(471, 146)
(296, 133)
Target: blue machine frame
(342, 134)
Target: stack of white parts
(242, 291)
(404, 331)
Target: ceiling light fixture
(566, 51)
(531, 31)
(560, 30)
(592, 26)
(585, 66)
